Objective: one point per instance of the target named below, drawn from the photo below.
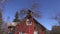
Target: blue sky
(49, 8)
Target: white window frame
(28, 23)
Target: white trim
(28, 23)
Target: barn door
(36, 32)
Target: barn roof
(35, 21)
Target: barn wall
(22, 27)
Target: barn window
(28, 22)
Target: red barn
(29, 26)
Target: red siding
(22, 27)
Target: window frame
(27, 22)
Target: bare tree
(33, 4)
(26, 11)
(2, 6)
(33, 8)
